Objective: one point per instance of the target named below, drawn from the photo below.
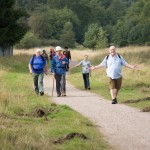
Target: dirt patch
(40, 112)
(70, 136)
(53, 104)
(2, 115)
(146, 109)
(138, 100)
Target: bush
(52, 42)
(29, 41)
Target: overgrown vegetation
(28, 121)
(136, 83)
(123, 22)
(12, 26)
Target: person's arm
(78, 64)
(101, 65)
(70, 55)
(30, 68)
(124, 63)
(90, 72)
(30, 65)
(131, 66)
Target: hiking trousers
(60, 84)
(86, 80)
(38, 82)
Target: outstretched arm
(131, 67)
(78, 64)
(101, 65)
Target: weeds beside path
(125, 128)
(28, 121)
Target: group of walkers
(60, 60)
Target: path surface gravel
(123, 127)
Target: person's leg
(113, 90)
(84, 79)
(118, 83)
(63, 85)
(35, 81)
(58, 86)
(113, 93)
(40, 83)
(88, 81)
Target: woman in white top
(86, 64)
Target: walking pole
(53, 86)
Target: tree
(67, 36)
(102, 41)
(49, 23)
(11, 30)
(133, 28)
(91, 36)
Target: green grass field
(21, 129)
(136, 83)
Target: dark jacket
(57, 66)
(67, 54)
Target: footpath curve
(123, 127)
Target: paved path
(123, 127)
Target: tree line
(92, 23)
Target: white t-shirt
(85, 66)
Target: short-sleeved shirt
(38, 64)
(114, 66)
(85, 66)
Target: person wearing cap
(58, 69)
(114, 63)
(37, 67)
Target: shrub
(29, 41)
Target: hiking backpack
(108, 57)
(34, 57)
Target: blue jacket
(57, 66)
(38, 64)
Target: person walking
(114, 63)
(59, 63)
(51, 55)
(44, 54)
(86, 64)
(67, 53)
(37, 67)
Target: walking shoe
(64, 95)
(114, 101)
(36, 93)
(89, 88)
(41, 93)
(58, 95)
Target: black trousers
(86, 80)
(60, 83)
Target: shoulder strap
(107, 57)
(119, 56)
(32, 59)
(42, 58)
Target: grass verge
(21, 129)
(136, 83)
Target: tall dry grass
(136, 83)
